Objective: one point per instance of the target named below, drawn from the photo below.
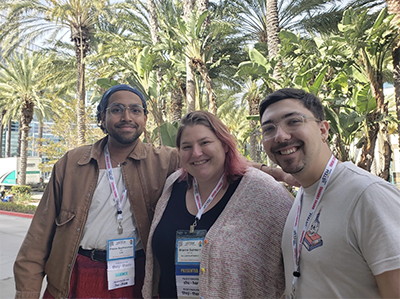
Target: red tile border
(16, 214)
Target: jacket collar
(95, 151)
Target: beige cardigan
(242, 256)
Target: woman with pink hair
(217, 227)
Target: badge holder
(120, 263)
(187, 262)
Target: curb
(16, 214)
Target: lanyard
(118, 200)
(202, 207)
(323, 182)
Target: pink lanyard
(119, 201)
(202, 207)
(318, 195)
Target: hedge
(19, 208)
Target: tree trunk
(19, 137)
(176, 104)
(255, 134)
(80, 36)
(201, 66)
(151, 7)
(396, 76)
(81, 102)
(158, 118)
(386, 150)
(385, 155)
(212, 98)
(8, 139)
(40, 139)
(368, 150)
(394, 8)
(188, 6)
(24, 156)
(26, 118)
(202, 6)
(2, 132)
(273, 35)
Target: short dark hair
(310, 101)
(101, 108)
(235, 164)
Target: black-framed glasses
(289, 124)
(119, 109)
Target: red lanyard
(202, 207)
(323, 182)
(118, 200)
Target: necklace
(119, 163)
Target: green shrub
(21, 189)
(23, 198)
(19, 208)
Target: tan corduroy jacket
(51, 244)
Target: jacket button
(78, 229)
(69, 265)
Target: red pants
(89, 280)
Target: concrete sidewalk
(13, 228)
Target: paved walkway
(13, 228)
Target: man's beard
(126, 139)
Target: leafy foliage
(21, 189)
(17, 207)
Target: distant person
(98, 193)
(236, 214)
(342, 235)
(9, 198)
(2, 193)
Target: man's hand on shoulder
(279, 175)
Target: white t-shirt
(101, 224)
(354, 235)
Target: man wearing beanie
(97, 193)
(99, 197)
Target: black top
(177, 217)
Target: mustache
(125, 124)
(286, 144)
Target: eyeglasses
(119, 109)
(289, 124)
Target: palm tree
(21, 84)
(8, 138)
(253, 97)
(273, 34)
(196, 50)
(372, 46)
(257, 70)
(188, 7)
(151, 7)
(54, 17)
(3, 112)
(394, 8)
